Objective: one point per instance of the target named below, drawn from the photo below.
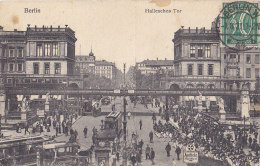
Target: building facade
(106, 69)
(38, 56)
(85, 63)
(196, 60)
(240, 70)
(147, 67)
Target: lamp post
(244, 141)
(124, 125)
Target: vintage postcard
(129, 83)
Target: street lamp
(124, 125)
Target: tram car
(114, 121)
(90, 106)
(87, 106)
(112, 128)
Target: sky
(117, 30)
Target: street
(158, 144)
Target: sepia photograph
(129, 83)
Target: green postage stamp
(239, 24)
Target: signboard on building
(40, 113)
(131, 91)
(116, 91)
(190, 155)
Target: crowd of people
(210, 137)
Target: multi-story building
(147, 67)
(196, 60)
(39, 56)
(85, 63)
(12, 53)
(106, 69)
(240, 70)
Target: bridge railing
(195, 77)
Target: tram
(61, 153)
(91, 107)
(20, 150)
(114, 121)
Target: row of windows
(12, 53)
(19, 67)
(236, 72)
(236, 58)
(57, 68)
(203, 50)
(103, 67)
(47, 49)
(34, 80)
(200, 69)
(98, 71)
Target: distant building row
(85, 64)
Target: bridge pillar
(3, 101)
(244, 104)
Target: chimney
(51, 27)
(204, 29)
(1, 28)
(58, 28)
(15, 30)
(196, 29)
(189, 29)
(165, 58)
(35, 28)
(157, 59)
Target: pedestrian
(141, 143)
(41, 128)
(57, 130)
(48, 128)
(26, 128)
(178, 152)
(85, 131)
(94, 131)
(147, 152)
(140, 124)
(76, 133)
(17, 127)
(139, 157)
(151, 136)
(63, 126)
(152, 156)
(168, 149)
(54, 123)
(93, 139)
(154, 118)
(133, 159)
